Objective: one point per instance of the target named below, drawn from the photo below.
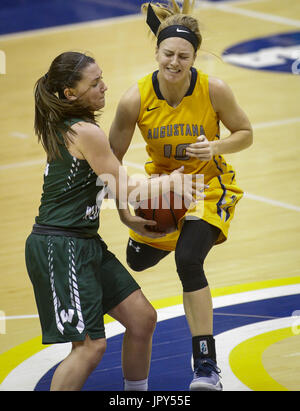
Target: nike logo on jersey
(150, 109)
(182, 31)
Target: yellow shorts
(217, 209)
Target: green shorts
(76, 281)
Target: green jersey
(72, 194)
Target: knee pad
(133, 256)
(142, 256)
(135, 266)
(191, 275)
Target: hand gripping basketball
(169, 207)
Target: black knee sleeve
(191, 275)
(195, 241)
(141, 256)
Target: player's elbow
(248, 137)
(245, 137)
(117, 151)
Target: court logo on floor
(278, 53)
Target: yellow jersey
(167, 132)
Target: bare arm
(123, 126)
(233, 118)
(92, 145)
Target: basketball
(166, 210)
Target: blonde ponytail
(162, 11)
(172, 15)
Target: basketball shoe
(206, 376)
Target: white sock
(141, 385)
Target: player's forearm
(124, 213)
(143, 189)
(234, 143)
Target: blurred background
(252, 45)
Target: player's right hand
(143, 227)
(190, 186)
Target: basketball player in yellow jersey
(178, 109)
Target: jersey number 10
(180, 153)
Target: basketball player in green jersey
(76, 279)
(178, 110)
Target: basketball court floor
(255, 276)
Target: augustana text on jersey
(171, 130)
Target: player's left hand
(202, 149)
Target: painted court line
(26, 375)
(141, 167)
(70, 27)
(23, 164)
(137, 166)
(227, 8)
(272, 202)
(256, 126)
